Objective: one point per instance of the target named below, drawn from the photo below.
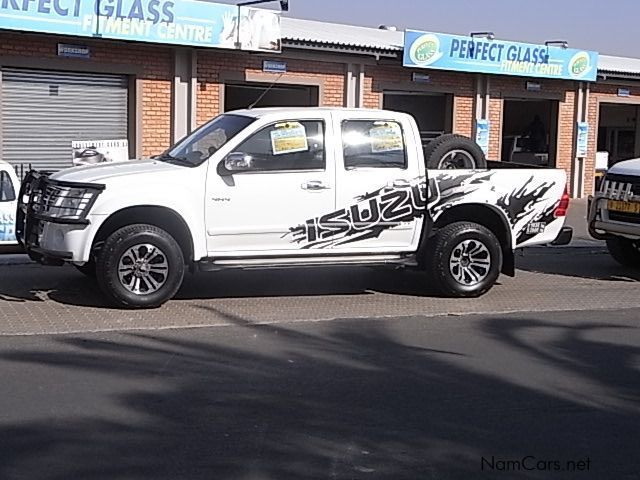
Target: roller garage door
(44, 111)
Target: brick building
(153, 94)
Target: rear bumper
(564, 237)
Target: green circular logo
(579, 64)
(426, 49)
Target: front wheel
(464, 259)
(625, 251)
(140, 266)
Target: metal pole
(238, 44)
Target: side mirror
(238, 162)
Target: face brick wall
(156, 76)
(213, 65)
(602, 93)
(380, 78)
(156, 64)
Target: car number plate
(626, 207)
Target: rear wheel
(140, 266)
(464, 259)
(625, 251)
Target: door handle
(400, 183)
(315, 185)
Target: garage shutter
(44, 111)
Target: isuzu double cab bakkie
(614, 212)
(289, 187)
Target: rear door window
(373, 144)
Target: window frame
(373, 120)
(321, 121)
(3, 174)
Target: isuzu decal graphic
(520, 203)
(368, 217)
(522, 208)
(373, 213)
(447, 189)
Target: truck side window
(373, 143)
(286, 145)
(7, 192)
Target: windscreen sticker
(290, 137)
(7, 227)
(386, 137)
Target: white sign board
(91, 152)
(602, 160)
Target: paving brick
(48, 300)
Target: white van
(9, 187)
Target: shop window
(288, 145)
(373, 144)
(7, 192)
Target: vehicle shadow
(588, 263)
(73, 288)
(352, 400)
(325, 281)
(35, 283)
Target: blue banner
(179, 22)
(482, 135)
(480, 55)
(583, 139)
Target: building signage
(99, 151)
(420, 77)
(178, 22)
(274, 66)
(624, 92)
(466, 54)
(583, 139)
(534, 86)
(76, 51)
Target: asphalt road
(395, 398)
(336, 374)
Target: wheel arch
(162, 217)
(489, 217)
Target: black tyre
(450, 151)
(625, 251)
(140, 266)
(88, 269)
(464, 259)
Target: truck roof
(263, 112)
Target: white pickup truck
(614, 212)
(285, 187)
